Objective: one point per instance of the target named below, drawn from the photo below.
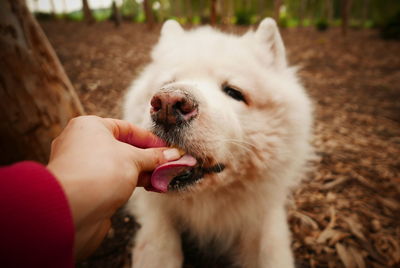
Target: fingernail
(171, 154)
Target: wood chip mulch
(347, 211)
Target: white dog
(238, 111)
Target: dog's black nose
(173, 108)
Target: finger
(144, 179)
(151, 158)
(131, 134)
(145, 182)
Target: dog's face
(229, 101)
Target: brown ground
(347, 214)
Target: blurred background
(289, 13)
(80, 56)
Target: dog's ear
(171, 28)
(268, 34)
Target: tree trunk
(365, 13)
(36, 6)
(189, 10)
(148, 11)
(277, 7)
(345, 15)
(261, 8)
(162, 11)
(65, 8)
(213, 12)
(87, 13)
(328, 10)
(116, 15)
(203, 11)
(37, 99)
(302, 11)
(172, 9)
(179, 11)
(248, 5)
(53, 8)
(226, 11)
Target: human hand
(99, 162)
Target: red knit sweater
(36, 226)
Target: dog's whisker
(245, 145)
(237, 141)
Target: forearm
(36, 227)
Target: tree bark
(365, 12)
(213, 12)
(36, 5)
(148, 11)
(345, 15)
(53, 8)
(65, 9)
(302, 11)
(226, 11)
(261, 8)
(328, 10)
(87, 13)
(277, 7)
(179, 8)
(189, 10)
(116, 15)
(37, 98)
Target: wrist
(70, 187)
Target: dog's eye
(234, 93)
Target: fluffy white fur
(264, 145)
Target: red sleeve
(36, 226)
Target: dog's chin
(189, 177)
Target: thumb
(149, 159)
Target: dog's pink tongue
(164, 174)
